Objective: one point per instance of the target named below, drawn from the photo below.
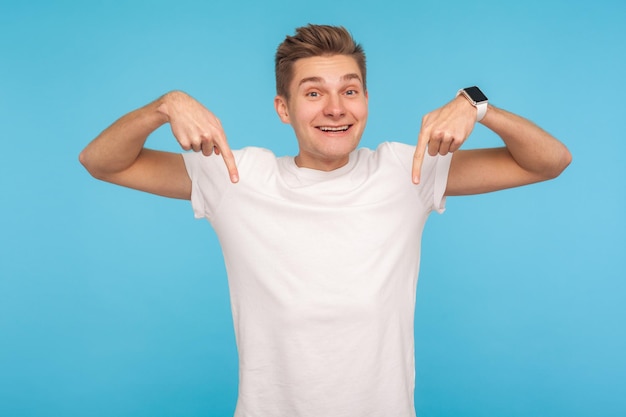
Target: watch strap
(481, 106)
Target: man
(322, 249)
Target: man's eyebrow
(315, 80)
(351, 76)
(320, 80)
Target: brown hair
(310, 41)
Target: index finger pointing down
(418, 157)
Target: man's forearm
(531, 147)
(119, 145)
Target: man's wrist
(477, 99)
(165, 103)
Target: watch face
(475, 94)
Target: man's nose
(334, 106)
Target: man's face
(327, 109)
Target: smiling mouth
(333, 129)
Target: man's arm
(118, 154)
(530, 155)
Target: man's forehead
(321, 69)
(320, 80)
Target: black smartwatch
(478, 100)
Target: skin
(328, 112)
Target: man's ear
(280, 104)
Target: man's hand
(197, 129)
(443, 130)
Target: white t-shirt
(322, 270)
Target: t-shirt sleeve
(209, 181)
(441, 170)
(434, 176)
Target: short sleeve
(442, 168)
(209, 179)
(434, 177)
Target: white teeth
(334, 129)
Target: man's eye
(313, 94)
(351, 92)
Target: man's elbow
(84, 160)
(88, 162)
(560, 162)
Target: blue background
(115, 302)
